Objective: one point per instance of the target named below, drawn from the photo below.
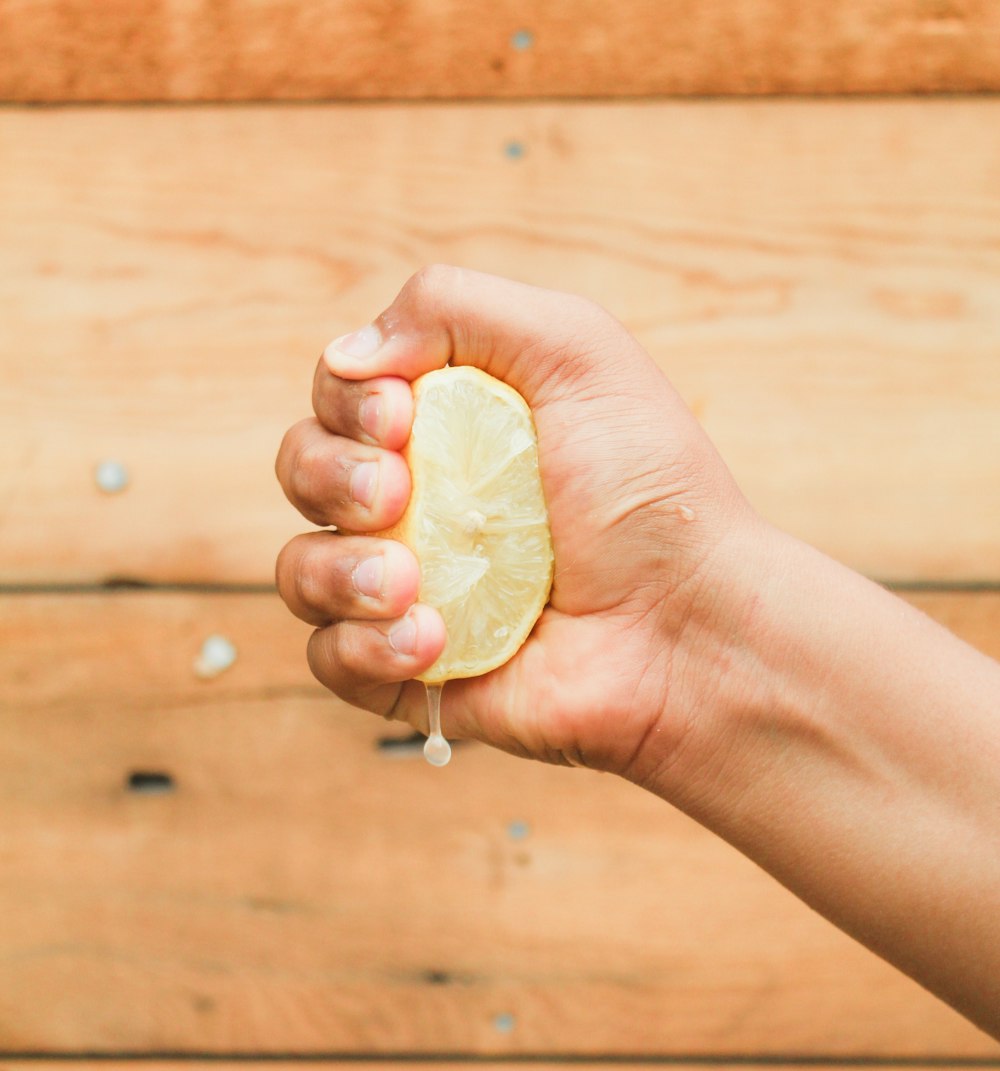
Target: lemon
(476, 519)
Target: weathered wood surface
(819, 279)
(475, 1064)
(57, 50)
(301, 890)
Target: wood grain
(477, 1064)
(818, 279)
(58, 50)
(193, 1064)
(303, 891)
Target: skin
(832, 733)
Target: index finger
(376, 411)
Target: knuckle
(306, 582)
(286, 452)
(318, 656)
(293, 443)
(320, 385)
(594, 322)
(300, 582)
(335, 402)
(283, 569)
(433, 280)
(308, 472)
(593, 345)
(344, 653)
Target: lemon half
(476, 519)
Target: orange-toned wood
(302, 890)
(55, 50)
(975, 616)
(476, 1064)
(424, 1065)
(819, 280)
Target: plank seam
(659, 1059)
(498, 101)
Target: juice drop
(437, 750)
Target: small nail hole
(150, 782)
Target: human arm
(853, 751)
(829, 731)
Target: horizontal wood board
(303, 890)
(819, 279)
(476, 1064)
(182, 50)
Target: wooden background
(197, 869)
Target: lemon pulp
(476, 519)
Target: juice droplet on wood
(437, 750)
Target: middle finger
(336, 481)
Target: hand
(832, 733)
(644, 518)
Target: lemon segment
(476, 519)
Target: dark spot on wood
(203, 1004)
(125, 583)
(149, 782)
(401, 746)
(404, 747)
(436, 977)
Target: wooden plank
(303, 891)
(404, 1065)
(57, 50)
(973, 616)
(819, 279)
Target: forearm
(853, 750)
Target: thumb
(531, 338)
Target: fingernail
(370, 415)
(403, 636)
(358, 345)
(367, 577)
(364, 478)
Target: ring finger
(325, 577)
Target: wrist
(733, 665)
